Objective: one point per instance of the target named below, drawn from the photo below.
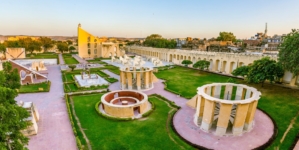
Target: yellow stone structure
(137, 79)
(90, 46)
(225, 108)
(124, 104)
(220, 62)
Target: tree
(72, 67)
(2, 47)
(11, 77)
(62, 47)
(289, 52)
(69, 42)
(12, 116)
(261, 70)
(226, 36)
(241, 71)
(72, 48)
(30, 45)
(202, 64)
(156, 40)
(46, 43)
(186, 62)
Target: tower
(265, 34)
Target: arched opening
(170, 58)
(185, 58)
(217, 65)
(194, 60)
(211, 65)
(182, 57)
(241, 64)
(232, 67)
(223, 66)
(189, 58)
(207, 48)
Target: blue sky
(140, 18)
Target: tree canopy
(72, 48)
(12, 116)
(202, 64)
(156, 40)
(226, 36)
(186, 62)
(260, 71)
(2, 47)
(62, 47)
(46, 43)
(289, 52)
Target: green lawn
(281, 103)
(106, 134)
(32, 88)
(42, 56)
(68, 59)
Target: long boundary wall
(220, 62)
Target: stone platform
(262, 131)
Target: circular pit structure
(125, 104)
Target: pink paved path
(183, 123)
(54, 128)
(61, 60)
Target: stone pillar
(217, 91)
(223, 118)
(138, 80)
(208, 115)
(293, 81)
(240, 117)
(239, 93)
(146, 79)
(123, 80)
(129, 78)
(200, 102)
(250, 116)
(228, 92)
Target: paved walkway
(79, 59)
(297, 146)
(61, 60)
(183, 123)
(54, 128)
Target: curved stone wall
(132, 78)
(125, 104)
(226, 108)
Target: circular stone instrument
(226, 108)
(125, 104)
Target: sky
(140, 18)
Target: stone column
(146, 79)
(200, 102)
(293, 81)
(223, 118)
(228, 92)
(240, 117)
(129, 78)
(208, 115)
(138, 80)
(123, 80)
(250, 116)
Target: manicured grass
(32, 88)
(68, 59)
(106, 134)
(42, 56)
(282, 104)
(112, 69)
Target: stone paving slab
(61, 60)
(54, 128)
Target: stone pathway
(297, 146)
(61, 60)
(183, 123)
(79, 59)
(54, 128)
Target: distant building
(16, 38)
(180, 42)
(90, 46)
